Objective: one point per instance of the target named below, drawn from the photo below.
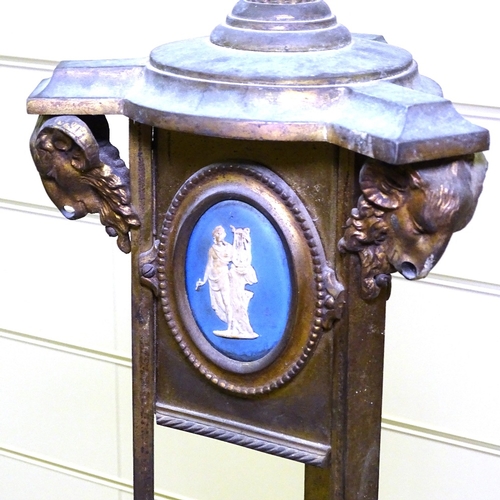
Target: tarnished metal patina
(83, 173)
(407, 214)
(280, 170)
(261, 78)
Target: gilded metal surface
(407, 215)
(84, 174)
(143, 313)
(351, 90)
(282, 84)
(264, 190)
(295, 419)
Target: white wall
(65, 419)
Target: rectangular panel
(413, 468)
(60, 280)
(60, 406)
(237, 251)
(22, 481)
(309, 407)
(441, 367)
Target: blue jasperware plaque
(243, 279)
(238, 280)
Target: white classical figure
(228, 271)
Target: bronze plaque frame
(260, 188)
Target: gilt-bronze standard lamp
(280, 170)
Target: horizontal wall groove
(46, 211)
(459, 284)
(478, 111)
(440, 437)
(464, 284)
(98, 355)
(27, 63)
(39, 461)
(79, 473)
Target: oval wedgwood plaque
(242, 277)
(238, 283)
